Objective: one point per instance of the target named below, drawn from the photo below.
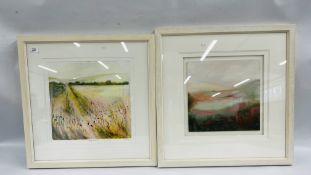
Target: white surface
(45, 148)
(12, 161)
(177, 145)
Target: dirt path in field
(80, 114)
(72, 126)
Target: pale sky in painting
(221, 73)
(77, 70)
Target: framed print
(88, 101)
(225, 95)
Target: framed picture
(225, 95)
(88, 101)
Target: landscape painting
(93, 105)
(224, 95)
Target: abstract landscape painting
(90, 107)
(224, 98)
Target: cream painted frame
(290, 81)
(31, 162)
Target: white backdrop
(19, 17)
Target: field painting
(93, 107)
(221, 99)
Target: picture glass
(90, 100)
(223, 94)
(223, 97)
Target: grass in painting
(90, 108)
(235, 109)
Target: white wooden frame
(290, 81)
(31, 162)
